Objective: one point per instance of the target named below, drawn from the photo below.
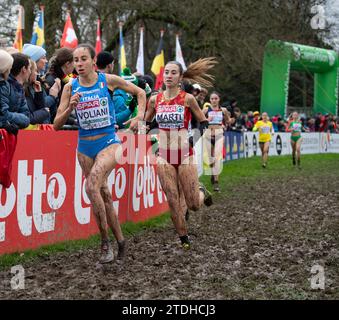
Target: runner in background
(265, 128)
(217, 118)
(295, 127)
(98, 146)
(176, 169)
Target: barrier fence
(47, 203)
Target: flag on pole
(158, 64)
(178, 53)
(18, 35)
(140, 61)
(69, 38)
(122, 53)
(98, 47)
(38, 36)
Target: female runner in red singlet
(175, 166)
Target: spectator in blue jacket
(105, 64)
(38, 55)
(14, 112)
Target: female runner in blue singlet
(99, 147)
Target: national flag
(18, 35)
(158, 64)
(140, 61)
(38, 36)
(69, 38)
(98, 47)
(122, 53)
(178, 53)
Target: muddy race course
(245, 247)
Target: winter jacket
(36, 104)
(13, 105)
(122, 112)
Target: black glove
(202, 127)
(133, 104)
(11, 128)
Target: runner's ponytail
(198, 72)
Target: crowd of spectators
(318, 123)
(31, 88)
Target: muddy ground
(245, 247)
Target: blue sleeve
(20, 118)
(50, 102)
(38, 113)
(122, 113)
(122, 117)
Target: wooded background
(235, 32)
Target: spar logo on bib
(170, 116)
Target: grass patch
(128, 229)
(250, 171)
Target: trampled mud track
(245, 247)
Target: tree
(235, 32)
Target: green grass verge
(128, 228)
(234, 173)
(250, 171)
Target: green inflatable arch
(281, 57)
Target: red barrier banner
(47, 202)
(147, 197)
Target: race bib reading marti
(170, 116)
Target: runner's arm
(227, 118)
(150, 109)
(115, 82)
(193, 105)
(67, 104)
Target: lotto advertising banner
(47, 202)
(329, 143)
(312, 143)
(234, 145)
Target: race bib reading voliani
(93, 113)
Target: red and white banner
(47, 202)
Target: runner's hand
(73, 102)
(133, 124)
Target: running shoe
(107, 255)
(293, 161)
(216, 187)
(208, 196)
(264, 165)
(122, 248)
(186, 246)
